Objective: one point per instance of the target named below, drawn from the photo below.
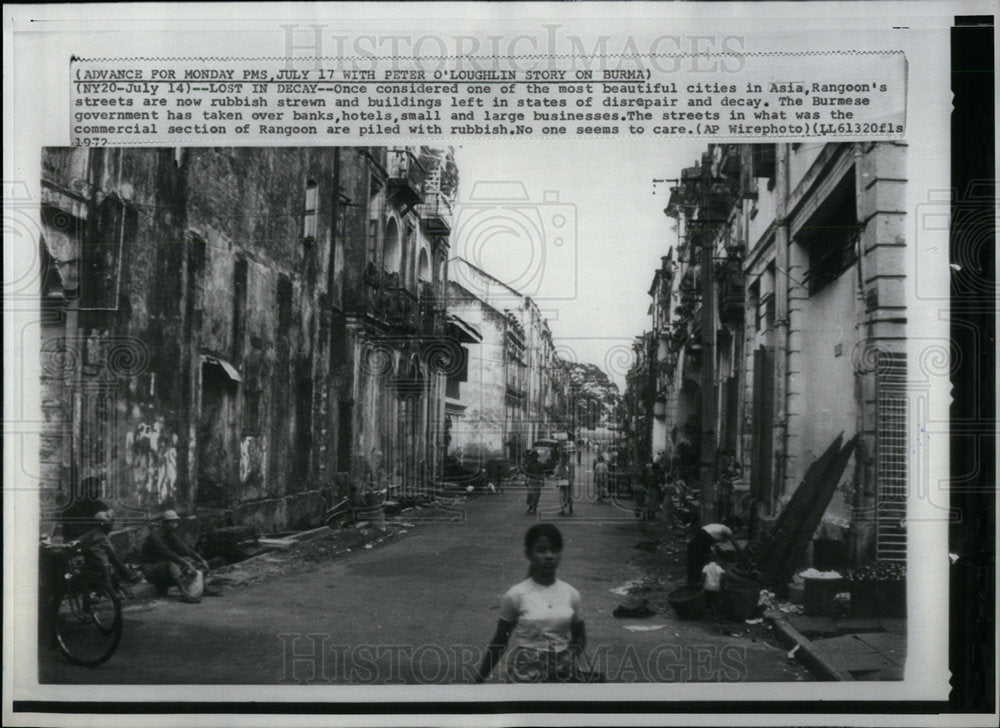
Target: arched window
(424, 267)
(411, 257)
(391, 249)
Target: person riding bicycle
(167, 560)
(100, 558)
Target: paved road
(420, 610)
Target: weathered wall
(828, 381)
(214, 264)
(479, 433)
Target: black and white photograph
(499, 364)
(314, 410)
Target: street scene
(412, 415)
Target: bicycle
(82, 614)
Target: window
(410, 253)
(442, 271)
(755, 304)
(239, 305)
(251, 412)
(284, 306)
(763, 156)
(102, 254)
(373, 241)
(309, 215)
(345, 436)
(391, 254)
(424, 266)
(830, 236)
(303, 427)
(341, 217)
(829, 258)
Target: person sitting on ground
(699, 549)
(167, 560)
(100, 558)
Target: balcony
(431, 313)
(406, 177)
(729, 273)
(403, 313)
(388, 303)
(436, 213)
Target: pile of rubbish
(770, 602)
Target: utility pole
(709, 404)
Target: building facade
(517, 385)
(787, 325)
(251, 332)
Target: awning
(466, 333)
(228, 368)
(62, 231)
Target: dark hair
(546, 530)
(733, 522)
(88, 489)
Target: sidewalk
(845, 649)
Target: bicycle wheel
(88, 623)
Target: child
(711, 583)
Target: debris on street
(643, 627)
(636, 612)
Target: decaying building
(780, 322)
(516, 388)
(254, 332)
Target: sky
(587, 253)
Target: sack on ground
(194, 587)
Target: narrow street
(420, 609)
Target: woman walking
(601, 479)
(544, 615)
(566, 475)
(534, 473)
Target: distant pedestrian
(494, 475)
(566, 475)
(534, 473)
(543, 614)
(651, 492)
(729, 471)
(601, 479)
